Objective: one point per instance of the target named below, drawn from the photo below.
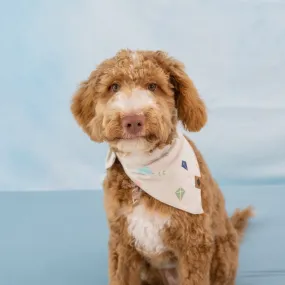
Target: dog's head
(134, 100)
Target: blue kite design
(184, 164)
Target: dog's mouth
(132, 136)
(125, 138)
(148, 137)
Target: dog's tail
(240, 220)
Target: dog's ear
(83, 107)
(191, 109)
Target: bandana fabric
(170, 176)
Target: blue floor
(60, 238)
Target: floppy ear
(191, 108)
(83, 108)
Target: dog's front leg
(191, 240)
(124, 262)
(194, 265)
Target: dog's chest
(146, 228)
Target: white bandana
(170, 175)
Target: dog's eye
(115, 87)
(152, 87)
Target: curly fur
(201, 249)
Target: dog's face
(134, 100)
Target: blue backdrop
(235, 53)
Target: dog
(166, 214)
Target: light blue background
(235, 53)
(233, 50)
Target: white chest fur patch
(145, 228)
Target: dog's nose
(133, 124)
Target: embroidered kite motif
(180, 193)
(184, 164)
(144, 170)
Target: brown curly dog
(134, 102)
